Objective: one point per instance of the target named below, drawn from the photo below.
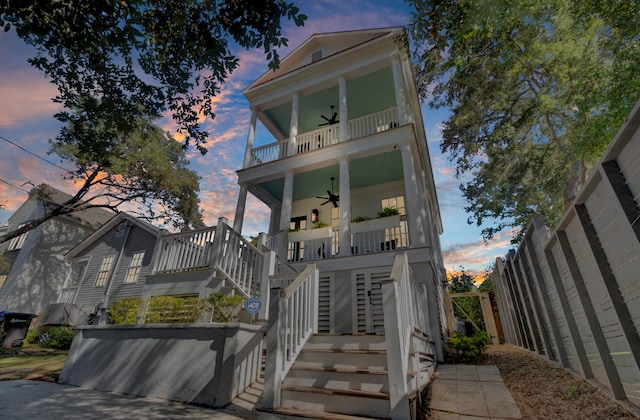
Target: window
(18, 241)
(394, 202)
(105, 269)
(134, 267)
(3, 278)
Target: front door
(368, 311)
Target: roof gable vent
(315, 56)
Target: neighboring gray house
(111, 264)
(37, 268)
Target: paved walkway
(470, 392)
(22, 399)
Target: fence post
(276, 335)
(218, 242)
(397, 367)
(268, 270)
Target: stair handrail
(399, 322)
(238, 260)
(293, 319)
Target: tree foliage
(536, 90)
(124, 60)
(121, 65)
(145, 169)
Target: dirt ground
(544, 390)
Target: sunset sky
(26, 118)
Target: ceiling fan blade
(327, 118)
(328, 201)
(327, 123)
(335, 114)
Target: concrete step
(345, 402)
(346, 342)
(363, 359)
(330, 379)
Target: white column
(250, 138)
(293, 128)
(287, 201)
(345, 208)
(415, 204)
(242, 202)
(342, 93)
(398, 81)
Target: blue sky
(26, 118)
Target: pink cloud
(477, 255)
(25, 95)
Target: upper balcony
(324, 137)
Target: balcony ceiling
(364, 172)
(365, 95)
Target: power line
(34, 154)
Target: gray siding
(39, 271)
(111, 244)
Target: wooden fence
(573, 295)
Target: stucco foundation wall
(205, 364)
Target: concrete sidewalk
(467, 391)
(45, 400)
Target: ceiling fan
(332, 120)
(332, 198)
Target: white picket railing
(326, 136)
(379, 235)
(240, 261)
(186, 250)
(405, 304)
(317, 139)
(293, 318)
(268, 153)
(217, 247)
(373, 123)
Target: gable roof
(329, 44)
(115, 221)
(52, 197)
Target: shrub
(359, 219)
(388, 211)
(125, 311)
(222, 306)
(33, 337)
(169, 309)
(58, 338)
(468, 349)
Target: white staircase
(338, 377)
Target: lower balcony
(367, 237)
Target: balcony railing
(373, 123)
(368, 237)
(326, 136)
(186, 251)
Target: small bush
(168, 310)
(359, 219)
(222, 306)
(468, 349)
(125, 311)
(388, 211)
(33, 337)
(59, 338)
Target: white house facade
(340, 142)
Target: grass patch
(31, 362)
